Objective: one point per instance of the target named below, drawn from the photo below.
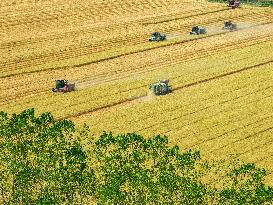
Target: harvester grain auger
(161, 87)
(63, 86)
(197, 30)
(156, 36)
(228, 25)
(233, 3)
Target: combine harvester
(63, 86)
(161, 87)
(197, 30)
(233, 4)
(156, 36)
(228, 25)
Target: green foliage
(142, 171)
(40, 164)
(37, 163)
(246, 186)
(263, 3)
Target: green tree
(38, 164)
(139, 171)
(41, 164)
(246, 186)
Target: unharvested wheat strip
(192, 121)
(225, 128)
(226, 125)
(258, 122)
(204, 104)
(232, 141)
(259, 149)
(133, 117)
(211, 125)
(184, 115)
(217, 125)
(31, 80)
(186, 96)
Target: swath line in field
(247, 137)
(176, 118)
(222, 75)
(103, 107)
(184, 17)
(124, 54)
(135, 99)
(98, 80)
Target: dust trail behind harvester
(219, 29)
(174, 35)
(149, 97)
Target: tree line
(44, 161)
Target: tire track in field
(256, 147)
(178, 107)
(120, 55)
(248, 136)
(200, 110)
(97, 80)
(67, 54)
(201, 53)
(222, 75)
(178, 88)
(111, 79)
(232, 130)
(219, 123)
(83, 50)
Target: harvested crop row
(66, 53)
(260, 116)
(69, 52)
(243, 33)
(31, 90)
(65, 15)
(184, 112)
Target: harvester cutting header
(161, 87)
(63, 86)
(228, 25)
(197, 30)
(156, 36)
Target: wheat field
(222, 81)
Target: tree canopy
(43, 161)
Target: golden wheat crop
(222, 81)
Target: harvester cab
(229, 26)
(233, 3)
(196, 30)
(63, 86)
(156, 36)
(161, 87)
